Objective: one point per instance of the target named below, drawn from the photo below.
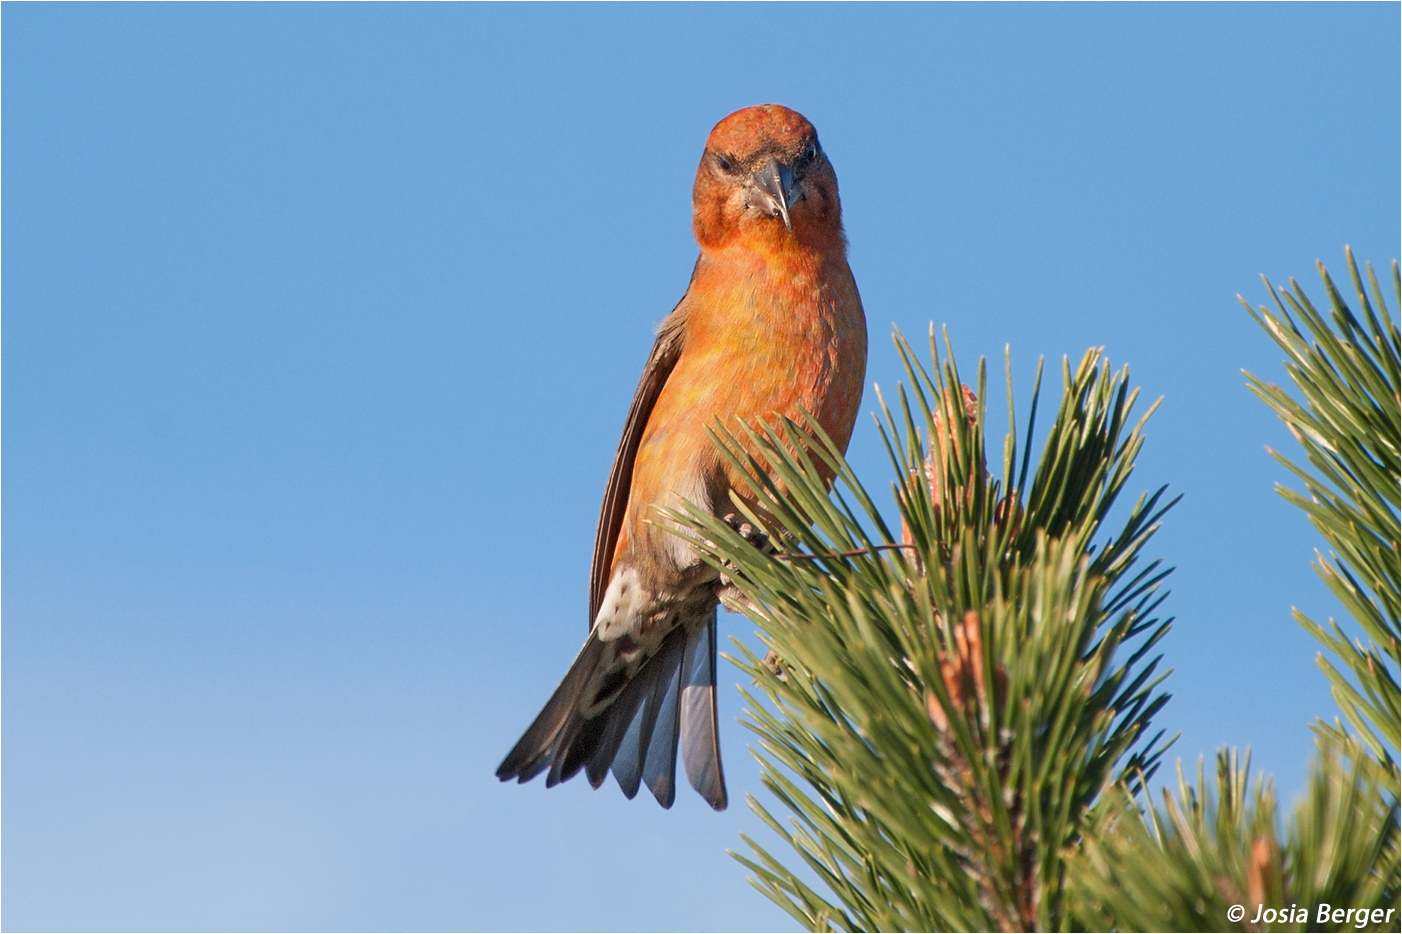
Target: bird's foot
(749, 533)
(733, 600)
(730, 596)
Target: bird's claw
(730, 595)
(750, 534)
(733, 600)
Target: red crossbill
(770, 324)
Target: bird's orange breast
(770, 328)
(771, 331)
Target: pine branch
(941, 713)
(1346, 416)
(1210, 849)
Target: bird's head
(764, 176)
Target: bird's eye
(811, 152)
(726, 163)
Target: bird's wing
(665, 353)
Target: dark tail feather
(671, 697)
(632, 754)
(700, 729)
(532, 753)
(633, 716)
(624, 713)
(660, 756)
(572, 748)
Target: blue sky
(321, 323)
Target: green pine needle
(940, 720)
(1346, 416)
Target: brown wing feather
(660, 363)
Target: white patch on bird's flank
(622, 608)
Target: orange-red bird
(771, 323)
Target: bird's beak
(774, 182)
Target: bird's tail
(601, 717)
